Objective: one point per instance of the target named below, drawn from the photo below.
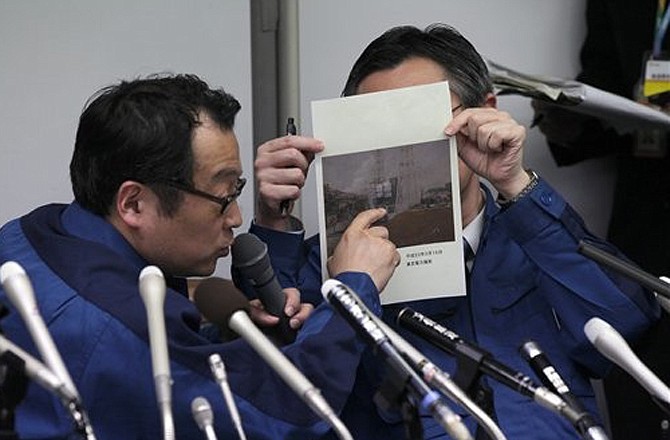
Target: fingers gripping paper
(388, 149)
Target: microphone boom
(349, 305)
(451, 343)
(152, 289)
(614, 347)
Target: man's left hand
(298, 312)
(490, 143)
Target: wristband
(534, 180)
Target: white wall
(533, 36)
(55, 54)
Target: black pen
(291, 129)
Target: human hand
(490, 143)
(281, 169)
(366, 248)
(296, 311)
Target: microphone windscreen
(250, 256)
(217, 299)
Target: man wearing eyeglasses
(156, 173)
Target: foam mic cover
(227, 306)
(250, 257)
(217, 299)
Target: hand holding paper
(490, 142)
(394, 154)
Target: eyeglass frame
(225, 202)
(456, 108)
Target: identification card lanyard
(654, 88)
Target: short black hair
(142, 130)
(463, 66)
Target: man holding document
(526, 279)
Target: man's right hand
(366, 248)
(281, 169)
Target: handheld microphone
(19, 289)
(20, 292)
(250, 258)
(612, 345)
(219, 372)
(203, 416)
(349, 305)
(231, 309)
(549, 376)
(452, 343)
(152, 290)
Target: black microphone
(437, 378)
(230, 308)
(630, 270)
(550, 377)
(350, 306)
(452, 343)
(250, 258)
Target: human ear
(491, 100)
(131, 202)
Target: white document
(388, 149)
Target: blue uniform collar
(83, 224)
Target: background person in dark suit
(620, 36)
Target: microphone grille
(202, 412)
(529, 349)
(150, 270)
(327, 286)
(247, 249)
(594, 327)
(9, 269)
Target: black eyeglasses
(456, 108)
(225, 202)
